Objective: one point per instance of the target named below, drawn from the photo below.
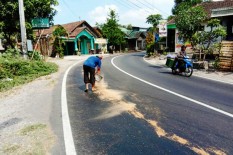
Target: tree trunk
(200, 54)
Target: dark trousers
(89, 75)
(179, 60)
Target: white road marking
(68, 138)
(174, 93)
(192, 74)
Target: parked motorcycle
(185, 66)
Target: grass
(8, 149)
(32, 128)
(15, 72)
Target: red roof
(76, 31)
(209, 6)
(73, 29)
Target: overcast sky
(129, 11)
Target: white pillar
(136, 48)
(22, 28)
(142, 44)
(1, 48)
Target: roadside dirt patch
(25, 113)
(32, 139)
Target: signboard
(29, 45)
(101, 41)
(162, 28)
(40, 23)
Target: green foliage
(184, 5)
(9, 17)
(58, 44)
(21, 71)
(150, 49)
(34, 55)
(129, 27)
(216, 63)
(154, 19)
(112, 31)
(11, 53)
(189, 22)
(206, 39)
(170, 17)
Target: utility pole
(23, 28)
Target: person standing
(91, 66)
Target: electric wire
(123, 4)
(71, 11)
(156, 7)
(136, 5)
(130, 6)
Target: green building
(81, 38)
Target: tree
(170, 17)
(58, 44)
(112, 31)
(183, 5)
(9, 17)
(153, 31)
(206, 40)
(189, 22)
(129, 27)
(154, 19)
(150, 42)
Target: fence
(226, 56)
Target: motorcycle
(185, 66)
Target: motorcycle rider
(180, 56)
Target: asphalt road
(131, 117)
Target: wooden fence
(226, 56)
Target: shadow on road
(159, 67)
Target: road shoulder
(27, 123)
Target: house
(81, 38)
(223, 10)
(135, 38)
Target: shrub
(150, 49)
(216, 64)
(36, 55)
(21, 71)
(11, 53)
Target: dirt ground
(25, 114)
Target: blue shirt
(92, 62)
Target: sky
(132, 12)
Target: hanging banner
(162, 28)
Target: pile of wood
(226, 56)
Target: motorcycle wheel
(174, 71)
(188, 71)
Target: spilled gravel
(119, 106)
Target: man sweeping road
(91, 67)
